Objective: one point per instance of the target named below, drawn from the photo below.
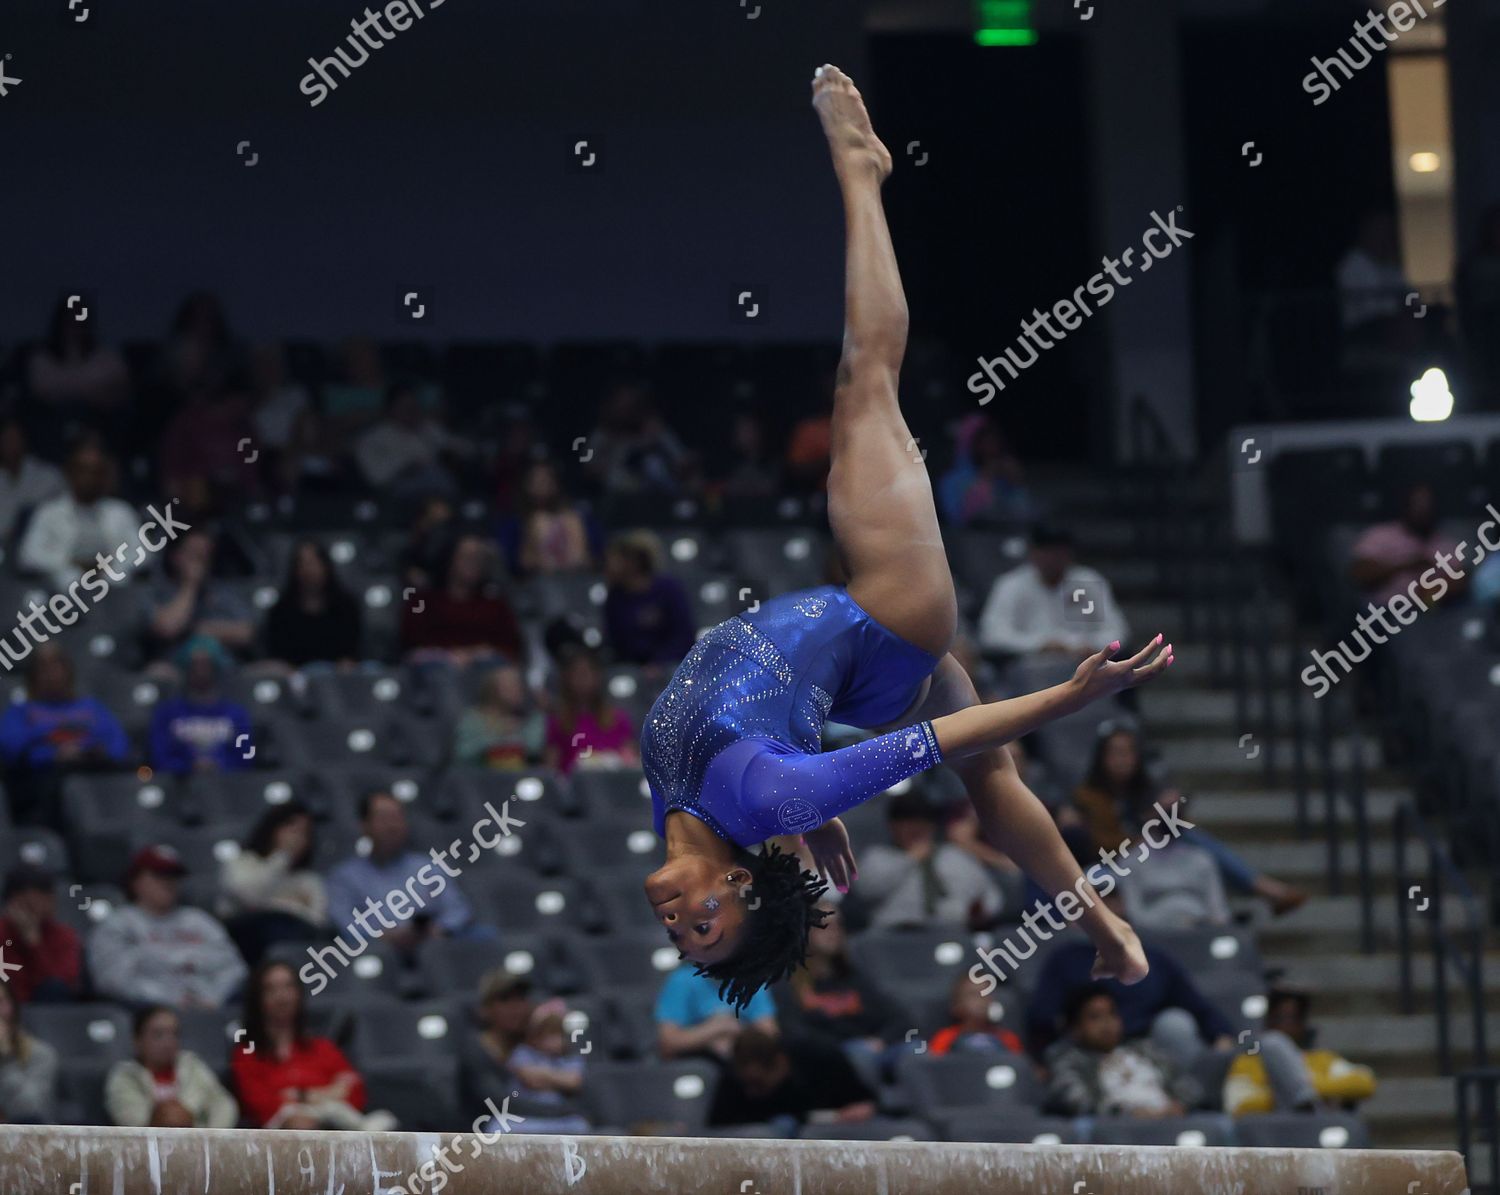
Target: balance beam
(47, 1160)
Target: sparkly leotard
(735, 738)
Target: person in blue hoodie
(200, 730)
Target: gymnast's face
(698, 903)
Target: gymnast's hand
(832, 853)
(1099, 676)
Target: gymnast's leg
(881, 511)
(1013, 819)
(879, 498)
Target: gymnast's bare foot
(850, 134)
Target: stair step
(1247, 816)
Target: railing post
(1403, 912)
(1439, 941)
(1299, 738)
(1362, 840)
(1330, 795)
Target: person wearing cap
(155, 950)
(1051, 605)
(47, 951)
(920, 879)
(197, 730)
(503, 1014)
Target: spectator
(1338, 1082)
(25, 481)
(550, 1079)
(1167, 995)
(1118, 796)
(392, 867)
(155, 950)
(921, 880)
(165, 1086)
(692, 1020)
(986, 483)
(425, 556)
(1177, 886)
(187, 600)
(548, 533)
(463, 617)
(280, 404)
(1095, 1072)
(1167, 1008)
(634, 450)
(503, 729)
(788, 1084)
(28, 1069)
(405, 454)
(1372, 285)
(1051, 604)
(751, 470)
(504, 1014)
(976, 1023)
(1391, 558)
(209, 455)
(269, 892)
(315, 620)
(54, 731)
(354, 399)
(587, 729)
(835, 1002)
(200, 353)
(286, 1078)
(200, 730)
(809, 450)
(68, 533)
(47, 952)
(71, 366)
(647, 616)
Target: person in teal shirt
(691, 1019)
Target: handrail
(1465, 950)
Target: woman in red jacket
(287, 1079)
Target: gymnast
(732, 747)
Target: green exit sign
(1004, 23)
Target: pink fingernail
(842, 887)
(1115, 646)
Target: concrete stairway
(1194, 725)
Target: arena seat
(1194, 1131)
(1298, 1130)
(955, 1081)
(1019, 1125)
(672, 1097)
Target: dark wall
(445, 162)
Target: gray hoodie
(142, 959)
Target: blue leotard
(735, 738)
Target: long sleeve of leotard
(785, 791)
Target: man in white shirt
(66, 534)
(1051, 604)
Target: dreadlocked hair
(777, 928)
